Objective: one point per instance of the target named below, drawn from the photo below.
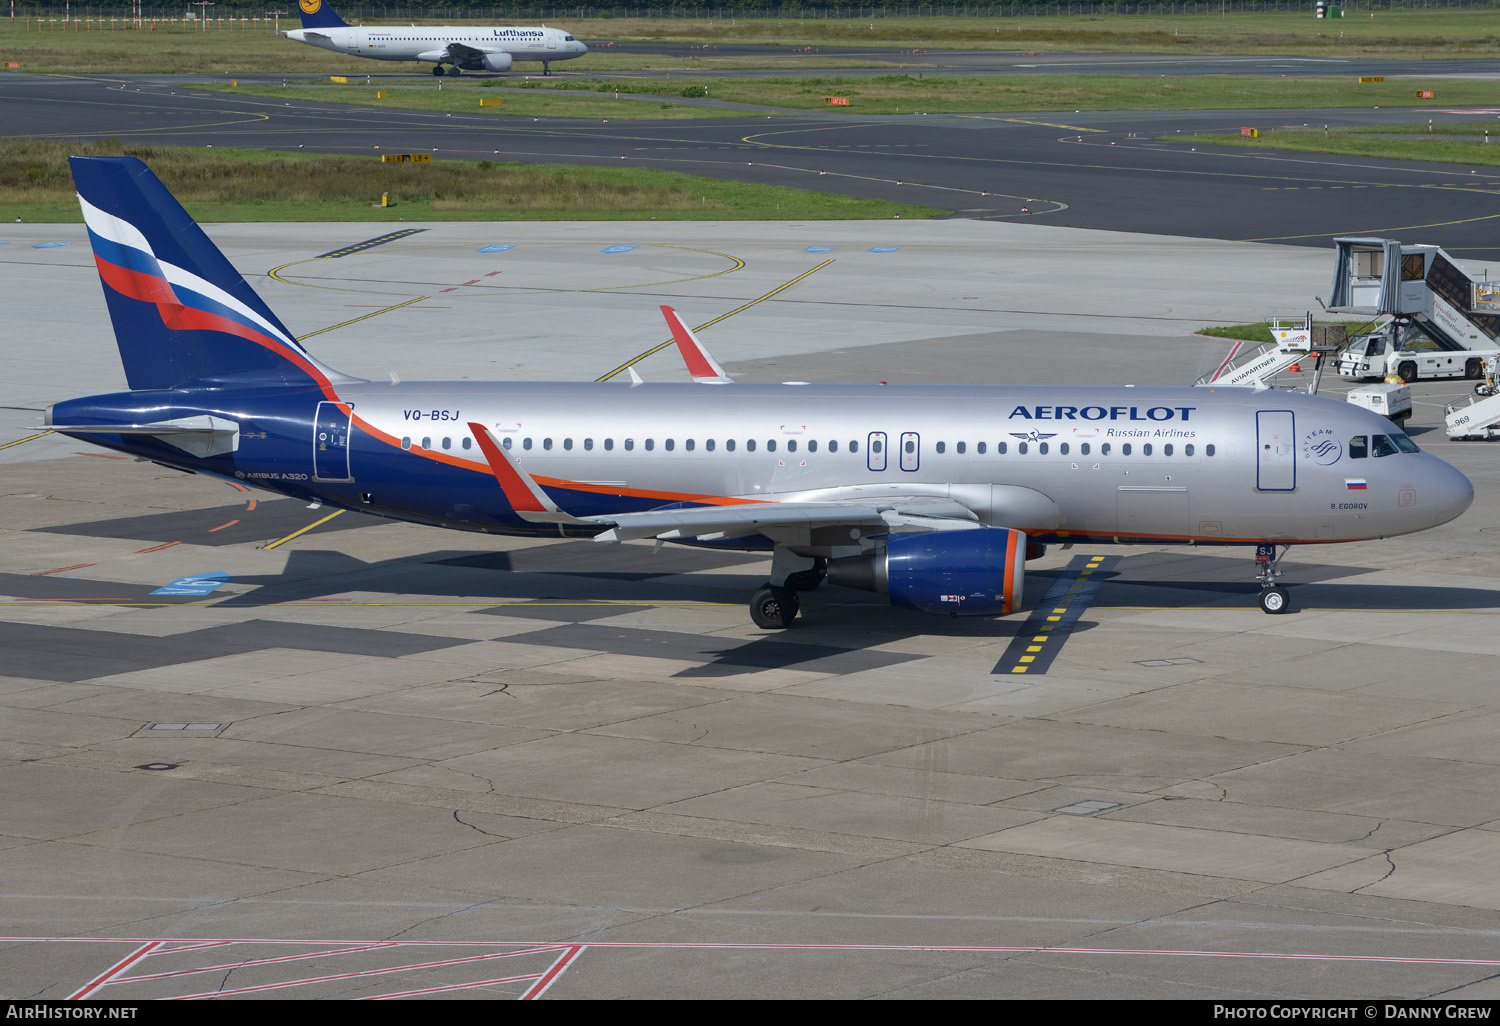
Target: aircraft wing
(816, 524)
(463, 51)
(804, 524)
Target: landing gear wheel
(774, 608)
(456, 71)
(546, 67)
(1274, 599)
(437, 69)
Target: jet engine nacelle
(496, 61)
(978, 572)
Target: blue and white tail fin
(182, 314)
(318, 14)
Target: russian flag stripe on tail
(182, 314)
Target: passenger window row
(629, 444)
(1084, 448)
(1357, 450)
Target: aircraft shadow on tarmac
(576, 572)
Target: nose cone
(1452, 491)
(582, 48)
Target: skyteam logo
(1322, 447)
(310, 6)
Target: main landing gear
(775, 606)
(1273, 597)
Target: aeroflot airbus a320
(465, 48)
(933, 495)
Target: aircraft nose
(1454, 492)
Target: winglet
(703, 367)
(524, 494)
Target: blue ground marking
(198, 584)
(884, 249)
(50, 245)
(496, 248)
(618, 249)
(818, 249)
(1041, 637)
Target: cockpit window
(1383, 446)
(1404, 443)
(1359, 447)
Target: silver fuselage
(1225, 465)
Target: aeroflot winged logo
(186, 302)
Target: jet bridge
(1421, 288)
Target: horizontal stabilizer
(200, 436)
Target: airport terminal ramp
(251, 748)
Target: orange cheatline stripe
(554, 482)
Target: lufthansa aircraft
(933, 495)
(466, 49)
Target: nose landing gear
(1273, 597)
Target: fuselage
(426, 42)
(1192, 465)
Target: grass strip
(170, 46)
(256, 185)
(463, 95)
(1260, 331)
(893, 94)
(1463, 143)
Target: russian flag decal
(1355, 484)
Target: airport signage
(406, 158)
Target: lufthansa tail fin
(182, 314)
(317, 14)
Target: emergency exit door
(1275, 453)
